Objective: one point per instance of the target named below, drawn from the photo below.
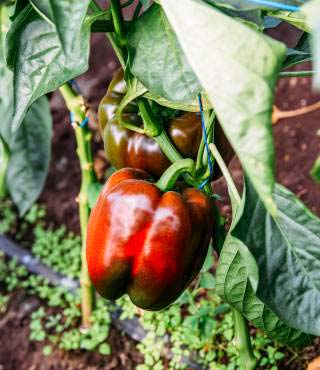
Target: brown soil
(297, 142)
(18, 353)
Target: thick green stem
(152, 127)
(243, 342)
(75, 104)
(118, 24)
(171, 175)
(296, 74)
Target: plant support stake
(75, 104)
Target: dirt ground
(297, 142)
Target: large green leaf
(39, 63)
(236, 281)
(312, 11)
(27, 165)
(66, 16)
(29, 155)
(238, 69)
(287, 251)
(157, 59)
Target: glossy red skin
(110, 102)
(144, 243)
(126, 148)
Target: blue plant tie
(82, 124)
(205, 137)
(274, 4)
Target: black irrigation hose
(131, 327)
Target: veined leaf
(39, 63)
(287, 251)
(157, 59)
(30, 148)
(236, 281)
(239, 77)
(66, 16)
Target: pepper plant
(205, 59)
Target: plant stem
(224, 169)
(296, 74)
(243, 342)
(117, 49)
(118, 23)
(242, 336)
(75, 104)
(171, 175)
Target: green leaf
(93, 193)
(39, 63)
(208, 263)
(5, 73)
(297, 19)
(47, 350)
(30, 154)
(271, 22)
(238, 69)
(311, 11)
(315, 171)
(66, 16)
(4, 160)
(104, 349)
(236, 279)
(157, 59)
(301, 53)
(207, 281)
(146, 3)
(286, 250)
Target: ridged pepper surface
(146, 243)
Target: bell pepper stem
(75, 104)
(171, 175)
(152, 127)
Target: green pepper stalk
(242, 336)
(75, 104)
(171, 175)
